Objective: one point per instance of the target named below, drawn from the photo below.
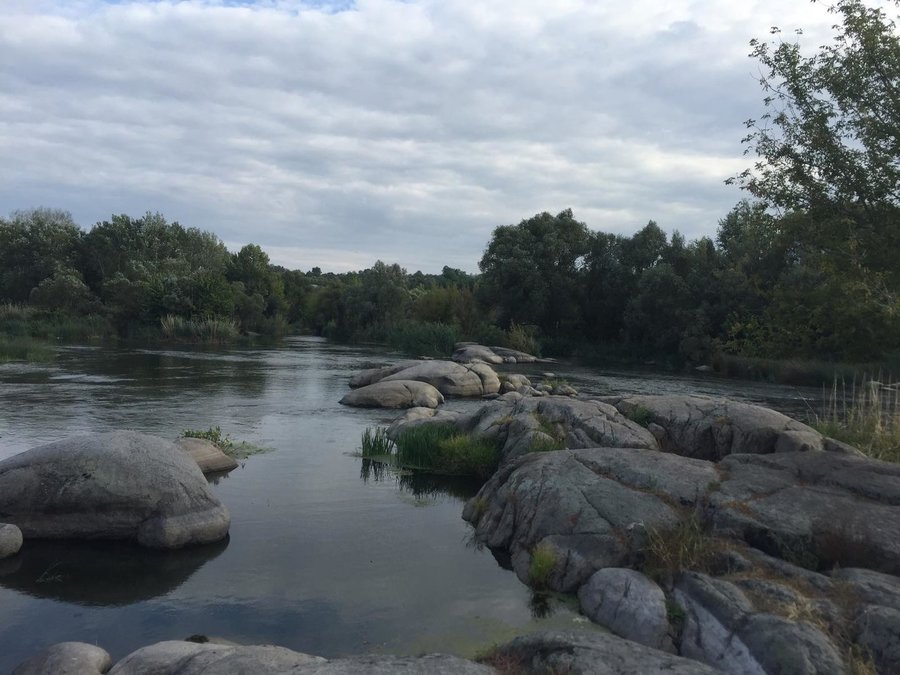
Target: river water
(323, 556)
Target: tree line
(809, 267)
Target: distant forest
(766, 286)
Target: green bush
(423, 338)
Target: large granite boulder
(475, 353)
(588, 653)
(10, 540)
(67, 658)
(117, 485)
(451, 379)
(394, 394)
(816, 509)
(712, 428)
(722, 628)
(587, 508)
(207, 454)
(373, 375)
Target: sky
(337, 133)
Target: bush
(423, 338)
(24, 349)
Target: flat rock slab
(712, 428)
(816, 509)
(208, 456)
(572, 502)
(394, 394)
(589, 653)
(118, 485)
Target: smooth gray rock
(10, 540)
(373, 375)
(871, 587)
(513, 382)
(515, 356)
(394, 394)
(67, 658)
(187, 658)
(589, 653)
(208, 456)
(562, 500)
(475, 353)
(815, 509)
(878, 630)
(629, 604)
(118, 485)
(452, 379)
(712, 428)
(722, 629)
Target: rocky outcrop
(207, 454)
(451, 379)
(709, 428)
(472, 352)
(629, 604)
(10, 540)
(589, 653)
(394, 394)
(119, 485)
(67, 658)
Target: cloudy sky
(335, 133)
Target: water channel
(322, 557)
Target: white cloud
(404, 131)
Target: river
(322, 556)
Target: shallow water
(318, 559)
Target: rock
(515, 356)
(579, 505)
(877, 629)
(394, 394)
(188, 658)
(629, 604)
(67, 658)
(373, 375)
(564, 390)
(118, 485)
(474, 354)
(417, 416)
(208, 456)
(871, 587)
(709, 428)
(588, 653)
(722, 629)
(513, 382)
(816, 509)
(452, 379)
(704, 369)
(10, 540)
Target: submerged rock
(118, 485)
(394, 394)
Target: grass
(640, 415)
(865, 415)
(551, 437)
(375, 442)
(543, 562)
(25, 349)
(234, 449)
(22, 321)
(210, 330)
(683, 547)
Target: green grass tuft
(439, 448)
(640, 415)
(25, 349)
(543, 562)
(375, 442)
(232, 448)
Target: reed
(375, 442)
(442, 449)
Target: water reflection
(422, 486)
(102, 573)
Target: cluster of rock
(772, 548)
(118, 485)
(425, 383)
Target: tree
(828, 153)
(531, 272)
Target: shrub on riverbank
(209, 330)
(423, 338)
(24, 349)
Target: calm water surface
(323, 557)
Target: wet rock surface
(394, 394)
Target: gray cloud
(335, 134)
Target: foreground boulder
(394, 394)
(118, 485)
(207, 454)
(67, 658)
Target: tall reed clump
(438, 448)
(425, 338)
(375, 442)
(24, 349)
(865, 415)
(210, 329)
